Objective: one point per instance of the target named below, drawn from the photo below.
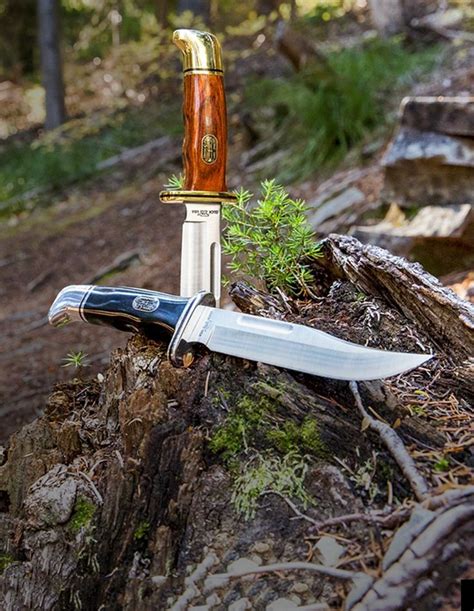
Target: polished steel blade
(201, 251)
(293, 346)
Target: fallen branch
(299, 50)
(396, 447)
(450, 498)
(164, 143)
(39, 280)
(292, 506)
(119, 264)
(220, 579)
(388, 520)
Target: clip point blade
(296, 347)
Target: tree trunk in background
(293, 11)
(18, 29)
(161, 13)
(266, 7)
(51, 64)
(387, 16)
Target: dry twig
(192, 590)
(396, 447)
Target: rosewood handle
(204, 111)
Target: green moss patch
(293, 437)
(253, 423)
(141, 530)
(5, 561)
(249, 416)
(82, 515)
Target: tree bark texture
(115, 497)
(162, 10)
(51, 62)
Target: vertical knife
(204, 156)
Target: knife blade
(205, 157)
(188, 323)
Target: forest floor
(114, 220)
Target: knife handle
(157, 315)
(204, 111)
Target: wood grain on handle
(205, 132)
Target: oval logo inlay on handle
(209, 148)
(145, 304)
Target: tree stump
(125, 493)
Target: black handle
(128, 309)
(136, 310)
(157, 315)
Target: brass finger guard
(197, 197)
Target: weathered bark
(444, 317)
(114, 497)
(51, 63)
(428, 168)
(441, 238)
(444, 114)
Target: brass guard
(197, 197)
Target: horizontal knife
(189, 322)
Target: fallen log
(126, 492)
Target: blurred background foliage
(122, 82)
(323, 112)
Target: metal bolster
(201, 51)
(178, 346)
(197, 197)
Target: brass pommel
(201, 50)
